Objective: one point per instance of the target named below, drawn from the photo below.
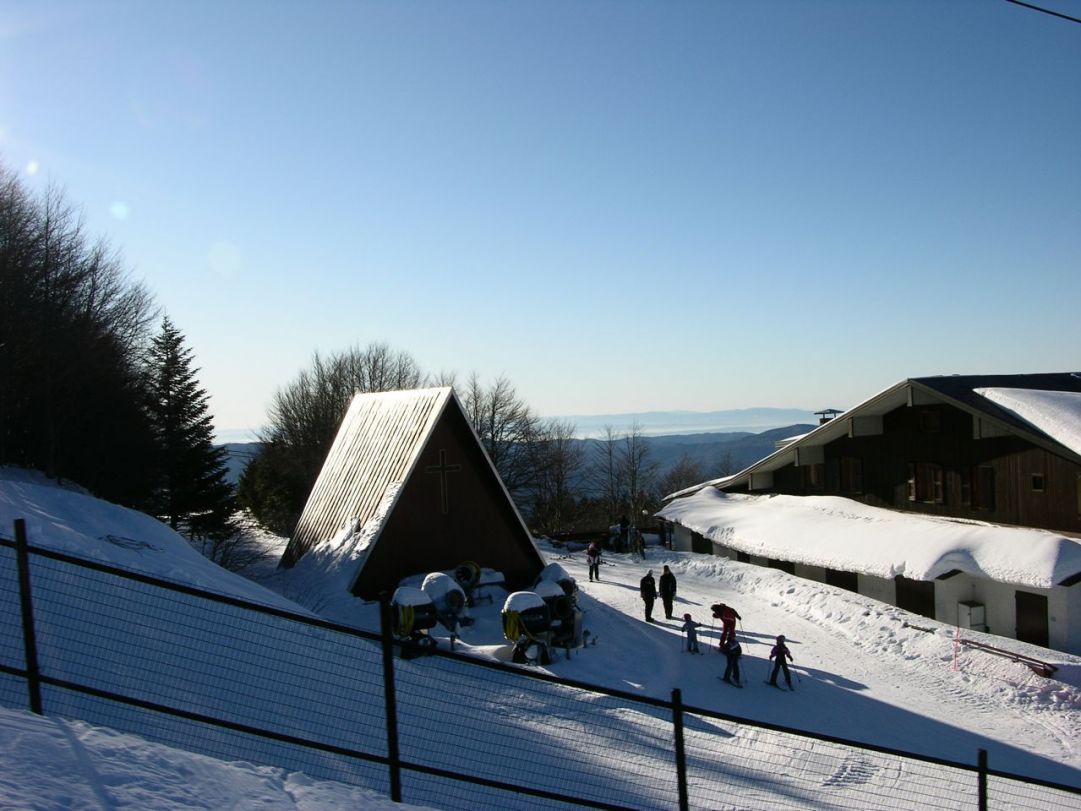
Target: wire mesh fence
(231, 680)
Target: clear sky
(622, 205)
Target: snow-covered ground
(51, 763)
(861, 672)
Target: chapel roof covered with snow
(407, 488)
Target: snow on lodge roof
(836, 533)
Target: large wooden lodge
(949, 447)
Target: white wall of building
(681, 538)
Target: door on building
(1032, 618)
(917, 596)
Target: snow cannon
(467, 575)
(449, 601)
(526, 623)
(413, 614)
(557, 574)
(566, 627)
(560, 606)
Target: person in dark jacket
(648, 589)
(668, 591)
(593, 558)
(731, 672)
(781, 656)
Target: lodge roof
(961, 391)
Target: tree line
(558, 482)
(97, 386)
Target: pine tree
(191, 492)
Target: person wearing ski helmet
(689, 626)
(781, 656)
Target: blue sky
(622, 206)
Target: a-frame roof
(961, 391)
(373, 458)
(375, 448)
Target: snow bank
(839, 533)
(67, 519)
(1055, 413)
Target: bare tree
(560, 458)
(72, 329)
(686, 472)
(605, 474)
(507, 427)
(639, 471)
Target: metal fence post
(681, 755)
(30, 646)
(390, 699)
(981, 763)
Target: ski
(789, 688)
(732, 683)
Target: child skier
(689, 626)
(781, 655)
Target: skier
(648, 589)
(593, 558)
(731, 672)
(689, 626)
(781, 655)
(668, 591)
(624, 528)
(728, 616)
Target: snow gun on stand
(555, 573)
(413, 615)
(566, 626)
(526, 623)
(449, 601)
(467, 575)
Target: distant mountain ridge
(662, 423)
(712, 451)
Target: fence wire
(237, 682)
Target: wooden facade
(938, 452)
(408, 470)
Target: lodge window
(1079, 493)
(926, 483)
(983, 492)
(851, 474)
(966, 487)
(813, 476)
(1037, 482)
(930, 421)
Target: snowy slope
(66, 519)
(50, 763)
(862, 673)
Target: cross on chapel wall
(443, 469)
